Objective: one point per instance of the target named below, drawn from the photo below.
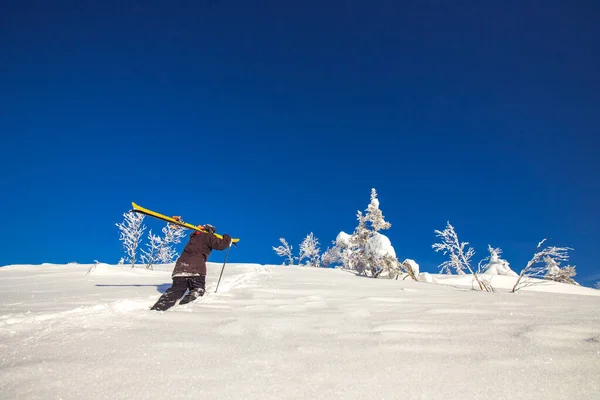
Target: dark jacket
(192, 261)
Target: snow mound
(425, 277)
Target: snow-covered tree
(381, 257)
(342, 244)
(149, 254)
(358, 254)
(460, 260)
(285, 250)
(131, 230)
(554, 272)
(160, 248)
(330, 256)
(537, 267)
(172, 235)
(357, 257)
(496, 265)
(309, 249)
(374, 215)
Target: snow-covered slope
(275, 332)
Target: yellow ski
(142, 210)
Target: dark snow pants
(195, 284)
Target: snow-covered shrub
(381, 254)
(425, 277)
(537, 267)
(554, 272)
(460, 260)
(410, 268)
(496, 265)
(309, 249)
(285, 250)
(131, 230)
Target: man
(190, 268)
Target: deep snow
(275, 332)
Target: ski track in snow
(84, 315)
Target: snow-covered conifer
(357, 257)
(285, 250)
(358, 253)
(309, 249)
(131, 230)
(537, 267)
(381, 257)
(374, 215)
(460, 260)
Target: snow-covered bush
(537, 267)
(381, 254)
(554, 272)
(496, 265)
(460, 260)
(309, 249)
(285, 250)
(411, 268)
(131, 230)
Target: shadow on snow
(160, 288)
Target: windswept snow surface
(276, 332)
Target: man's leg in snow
(196, 286)
(170, 297)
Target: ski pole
(223, 268)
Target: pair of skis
(145, 211)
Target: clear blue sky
(273, 118)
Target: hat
(209, 228)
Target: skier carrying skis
(190, 268)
